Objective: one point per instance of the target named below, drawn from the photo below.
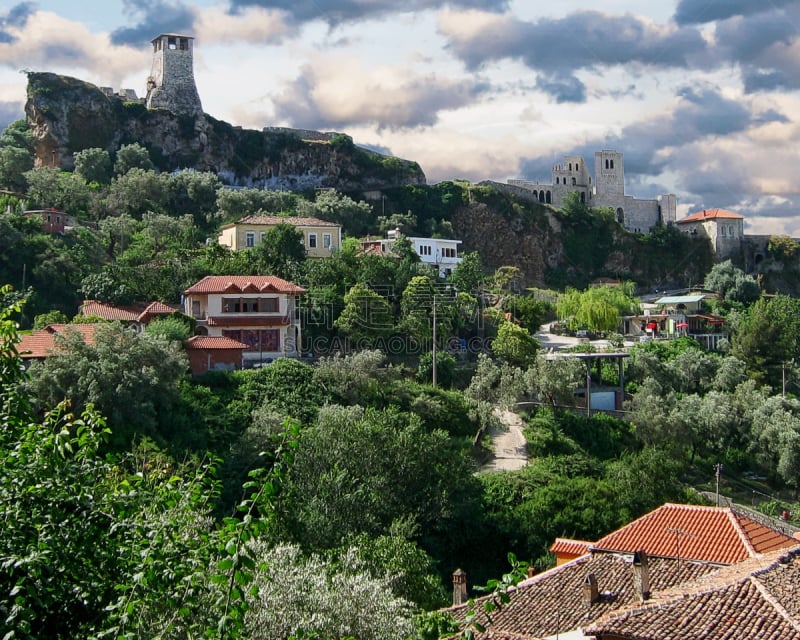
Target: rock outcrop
(68, 115)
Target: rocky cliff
(67, 115)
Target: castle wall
(638, 216)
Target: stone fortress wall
(572, 175)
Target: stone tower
(609, 174)
(171, 82)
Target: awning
(652, 326)
(682, 325)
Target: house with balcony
(320, 237)
(258, 311)
(441, 253)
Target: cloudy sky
(702, 96)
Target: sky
(701, 96)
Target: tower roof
(171, 35)
(711, 214)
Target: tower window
(606, 163)
(171, 43)
(574, 182)
(612, 164)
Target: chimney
(590, 591)
(531, 571)
(641, 575)
(459, 587)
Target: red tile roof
(42, 343)
(297, 221)
(711, 214)
(553, 601)
(142, 312)
(107, 311)
(569, 547)
(705, 534)
(758, 598)
(238, 284)
(208, 343)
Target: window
(312, 240)
(250, 239)
(261, 236)
(448, 252)
(268, 305)
(574, 182)
(326, 240)
(424, 249)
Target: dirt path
(508, 443)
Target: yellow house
(320, 237)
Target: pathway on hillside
(510, 452)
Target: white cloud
(250, 25)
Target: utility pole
(718, 472)
(434, 341)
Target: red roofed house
(39, 344)
(208, 353)
(724, 228)
(758, 598)
(259, 311)
(718, 535)
(136, 315)
(567, 549)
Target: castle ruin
(171, 83)
(608, 190)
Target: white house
(441, 253)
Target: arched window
(547, 198)
(606, 163)
(612, 164)
(570, 166)
(574, 182)
(583, 196)
(541, 196)
(620, 216)
(556, 180)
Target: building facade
(320, 237)
(259, 311)
(607, 190)
(441, 253)
(724, 229)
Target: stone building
(171, 83)
(725, 230)
(607, 190)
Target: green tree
(131, 378)
(416, 307)
(515, 345)
(281, 252)
(329, 204)
(174, 328)
(732, 284)
(132, 156)
(16, 155)
(93, 165)
(51, 317)
(365, 318)
(597, 308)
(136, 192)
(468, 276)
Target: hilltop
(68, 115)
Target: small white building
(441, 253)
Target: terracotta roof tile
(297, 221)
(706, 534)
(237, 284)
(567, 546)
(757, 598)
(107, 311)
(711, 214)
(553, 601)
(208, 343)
(42, 343)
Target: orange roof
(569, 547)
(42, 343)
(711, 214)
(297, 221)
(706, 534)
(128, 313)
(244, 284)
(207, 343)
